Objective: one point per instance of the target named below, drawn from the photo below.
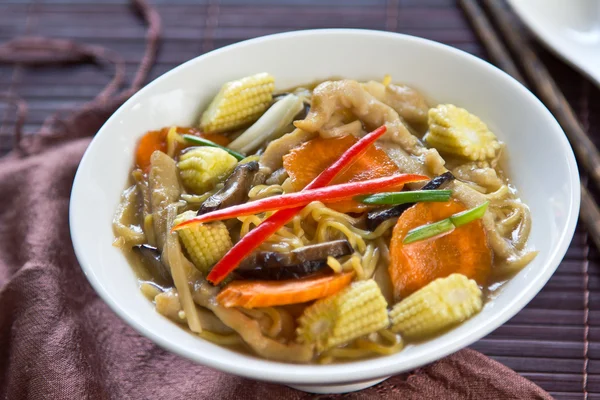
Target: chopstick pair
(547, 89)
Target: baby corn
(437, 306)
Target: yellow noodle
(297, 227)
(223, 340)
(355, 240)
(262, 191)
(334, 264)
(316, 209)
(384, 250)
(379, 348)
(348, 352)
(369, 260)
(364, 347)
(389, 336)
(246, 222)
(355, 261)
(513, 265)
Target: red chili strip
(328, 194)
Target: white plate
(541, 160)
(571, 28)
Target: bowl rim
(361, 369)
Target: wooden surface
(554, 341)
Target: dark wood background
(554, 341)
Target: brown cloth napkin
(58, 340)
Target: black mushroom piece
(377, 216)
(294, 264)
(151, 259)
(235, 190)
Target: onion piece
(270, 126)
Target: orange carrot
(464, 250)
(148, 144)
(251, 294)
(308, 160)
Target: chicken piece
(333, 96)
(406, 101)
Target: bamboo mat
(554, 341)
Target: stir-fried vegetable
(456, 131)
(201, 168)
(204, 243)
(329, 194)
(356, 311)
(376, 217)
(239, 103)
(235, 189)
(205, 142)
(270, 125)
(464, 250)
(445, 225)
(255, 237)
(148, 144)
(305, 162)
(253, 294)
(407, 197)
(437, 306)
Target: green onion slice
(407, 197)
(446, 225)
(204, 142)
(463, 218)
(426, 231)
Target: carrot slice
(463, 250)
(308, 160)
(148, 144)
(251, 294)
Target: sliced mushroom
(294, 264)
(235, 190)
(277, 177)
(152, 260)
(377, 216)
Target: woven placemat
(554, 341)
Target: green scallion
(426, 231)
(204, 142)
(446, 225)
(407, 197)
(463, 218)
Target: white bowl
(542, 166)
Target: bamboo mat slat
(544, 342)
